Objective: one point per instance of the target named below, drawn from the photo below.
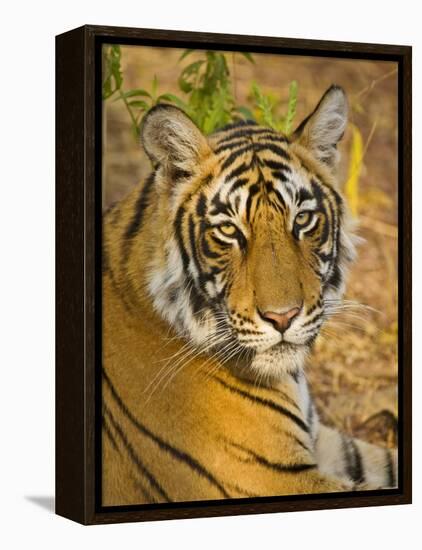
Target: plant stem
(374, 83)
(234, 77)
(122, 96)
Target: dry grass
(353, 370)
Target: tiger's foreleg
(342, 457)
(345, 458)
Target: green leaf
(219, 113)
(193, 68)
(187, 76)
(134, 93)
(107, 91)
(139, 104)
(117, 52)
(113, 78)
(248, 56)
(264, 107)
(291, 107)
(117, 75)
(139, 116)
(173, 99)
(245, 112)
(185, 54)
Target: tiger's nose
(281, 321)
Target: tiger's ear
(324, 127)
(172, 140)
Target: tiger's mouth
(272, 364)
(247, 353)
(283, 345)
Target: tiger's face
(256, 240)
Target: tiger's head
(251, 238)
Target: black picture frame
(78, 275)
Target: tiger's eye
(303, 218)
(227, 229)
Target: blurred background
(353, 369)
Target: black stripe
(193, 243)
(277, 138)
(135, 458)
(321, 200)
(108, 433)
(246, 133)
(238, 124)
(389, 468)
(250, 133)
(219, 207)
(334, 225)
(179, 237)
(358, 472)
(249, 331)
(313, 307)
(273, 148)
(253, 190)
(309, 232)
(201, 205)
(196, 300)
(279, 196)
(281, 176)
(230, 145)
(276, 165)
(335, 280)
(182, 456)
(312, 320)
(233, 156)
(323, 257)
(238, 171)
(244, 492)
(241, 182)
(304, 195)
(136, 222)
(206, 250)
(297, 440)
(147, 495)
(178, 174)
(353, 460)
(141, 203)
(277, 466)
(300, 442)
(295, 375)
(266, 403)
(253, 385)
(325, 233)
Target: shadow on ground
(46, 502)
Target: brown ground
(353, 371)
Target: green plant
(267, 108)
(137, 101)
(207, 84)
(208, 89)
(112, 74)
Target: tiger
(219, 271)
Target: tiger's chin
(271, 365)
